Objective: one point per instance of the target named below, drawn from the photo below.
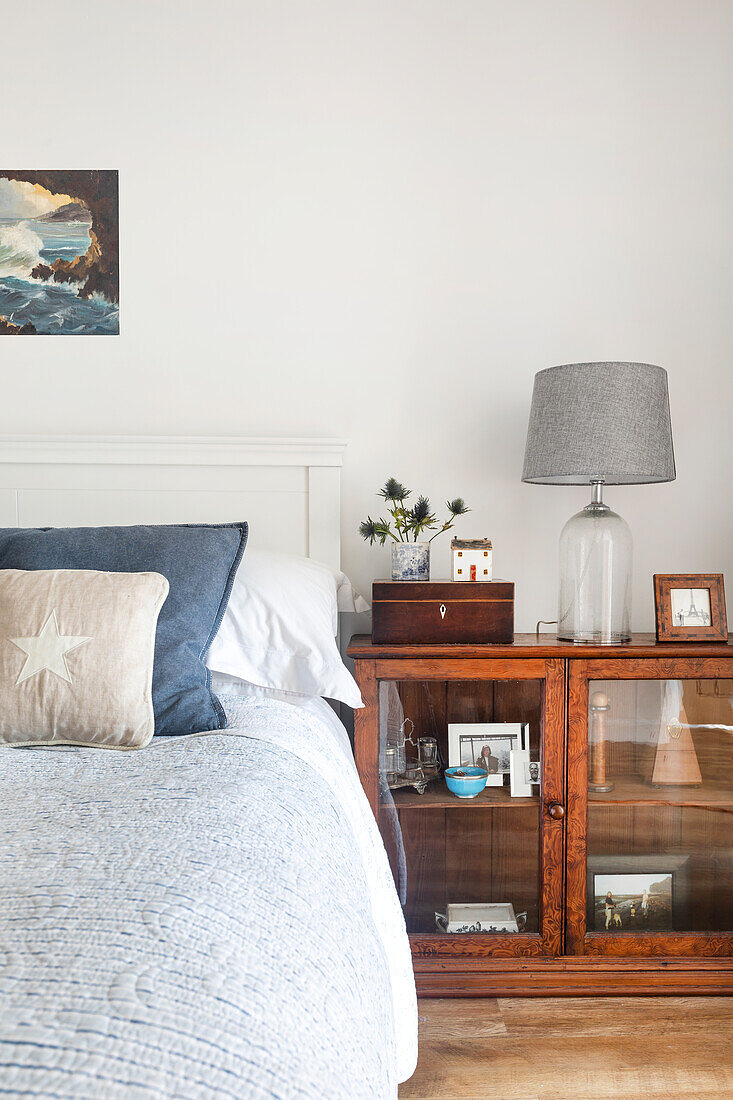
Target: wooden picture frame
(604, 869)
(706, 623)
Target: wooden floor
(574, 1049)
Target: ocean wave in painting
(55, 309)
(20, 249)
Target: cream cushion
(76, 656)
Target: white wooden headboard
(287, 489)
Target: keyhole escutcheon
(443, 610)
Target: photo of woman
(612, 915)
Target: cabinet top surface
(544, 645)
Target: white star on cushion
(47, 650)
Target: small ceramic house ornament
(471, 559)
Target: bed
(214, 915)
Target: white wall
(377, 220)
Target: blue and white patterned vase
(410, 561)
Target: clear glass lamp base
(595, 638)
(595, 576)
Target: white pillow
(279, 629)
(221, 684)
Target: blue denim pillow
(200, 562)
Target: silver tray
(426, 775)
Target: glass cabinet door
(484, 873)
(650, 831)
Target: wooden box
(438, 612)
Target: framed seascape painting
(59, 253)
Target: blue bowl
(465, 782)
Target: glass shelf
(630, 791)
(437, 796)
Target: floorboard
(574, 1049)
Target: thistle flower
(368, 530)
(421, 510)
(457, 507)
(375, 530)
(393, 490)
(419, 517)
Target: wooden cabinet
(620, 861)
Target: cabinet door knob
(556, 810)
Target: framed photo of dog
(638, 893)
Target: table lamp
(598, 424)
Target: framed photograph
(638, 893)
(690, 607)
(485, 745)
(523, 773)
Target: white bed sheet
(339, 770)
(125, 882)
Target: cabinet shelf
(633, 791)
(437, 796)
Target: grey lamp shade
(599, 420)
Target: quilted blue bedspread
(212, 916)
